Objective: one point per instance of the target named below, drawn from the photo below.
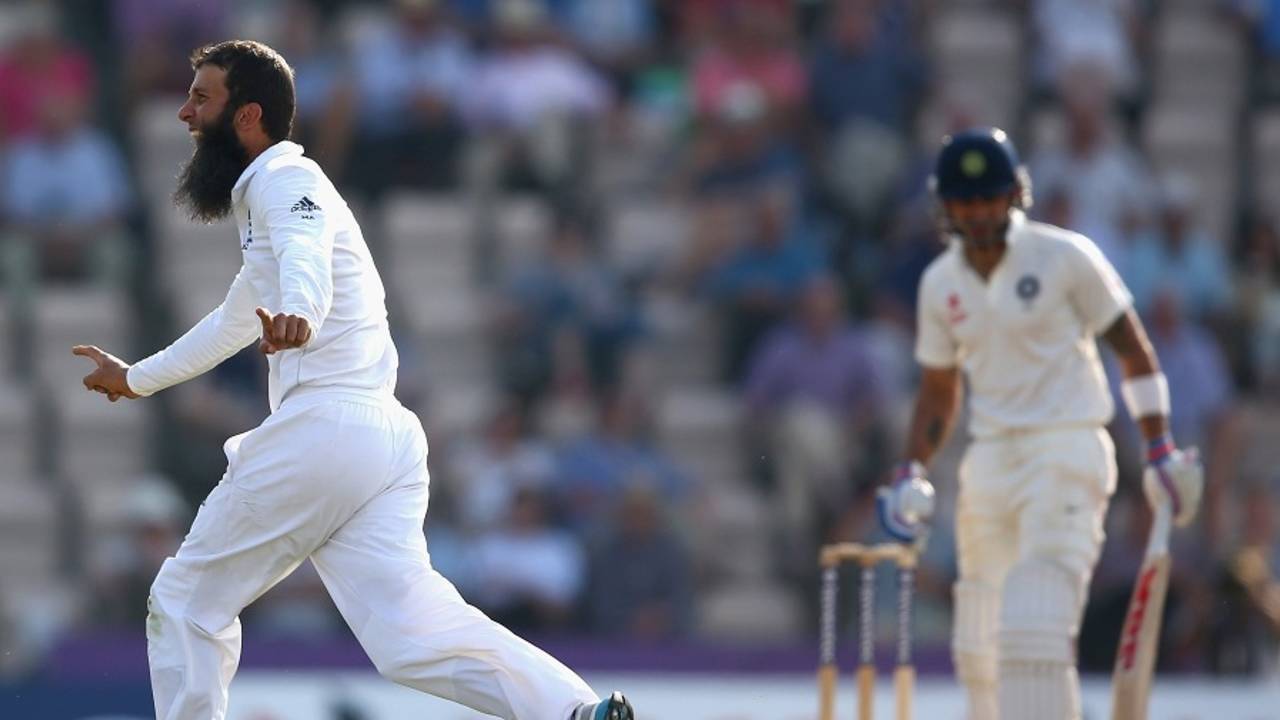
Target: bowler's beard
(204, 186)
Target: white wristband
(1146, 395)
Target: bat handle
(1161, 529)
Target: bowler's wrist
(134, 382)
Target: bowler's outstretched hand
(110, 377)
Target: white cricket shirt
(304, 255)
(1025, 338)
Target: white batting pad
(974, 634)
(1041, 612)
(1041, 690)
(973, 645)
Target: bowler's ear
(248, 116)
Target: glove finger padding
(1179, 477)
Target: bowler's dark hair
(255, 74)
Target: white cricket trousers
(341, 479)
(1029, 527)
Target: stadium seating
(1197, 60)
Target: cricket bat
(1140, 638)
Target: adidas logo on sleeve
(305, 206)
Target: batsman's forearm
(1137, 358)
(932, 420)
(1132, 346)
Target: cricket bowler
(338, 472)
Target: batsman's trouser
(1029, 526)
(341, 479)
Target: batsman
(1014, 306)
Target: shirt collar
(1017, 226)
(280, 149)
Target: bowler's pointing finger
(90, 351)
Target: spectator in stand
(736, 156)
(739, 150)
(1257, 281)
(529, 574)
(653, 600)
(813, 397)
(865, 85)
(889, 336)
(66, 189)
(324, 117)
(595, 472)
(1176, 252)
(1261, 18)
(567, 411)
(1102, 33)
(861, 72)
(490, 471)
(530, 97)
(37, 66)
(409, 76)
(1102, 175)
(572, 292)
(154, 517)
(756, 284)
(754, 46)
(911, 242)
(616, 35)
(154, 32)
(1191, 358)
(1246, 634)
(475, 16)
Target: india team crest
(1028, 288)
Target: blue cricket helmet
(979, 163)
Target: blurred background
(652, 269)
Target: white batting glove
(906, 505)
(1175, 475)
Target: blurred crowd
(767, 307)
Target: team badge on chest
(1028, 288)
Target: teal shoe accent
(615, 708)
